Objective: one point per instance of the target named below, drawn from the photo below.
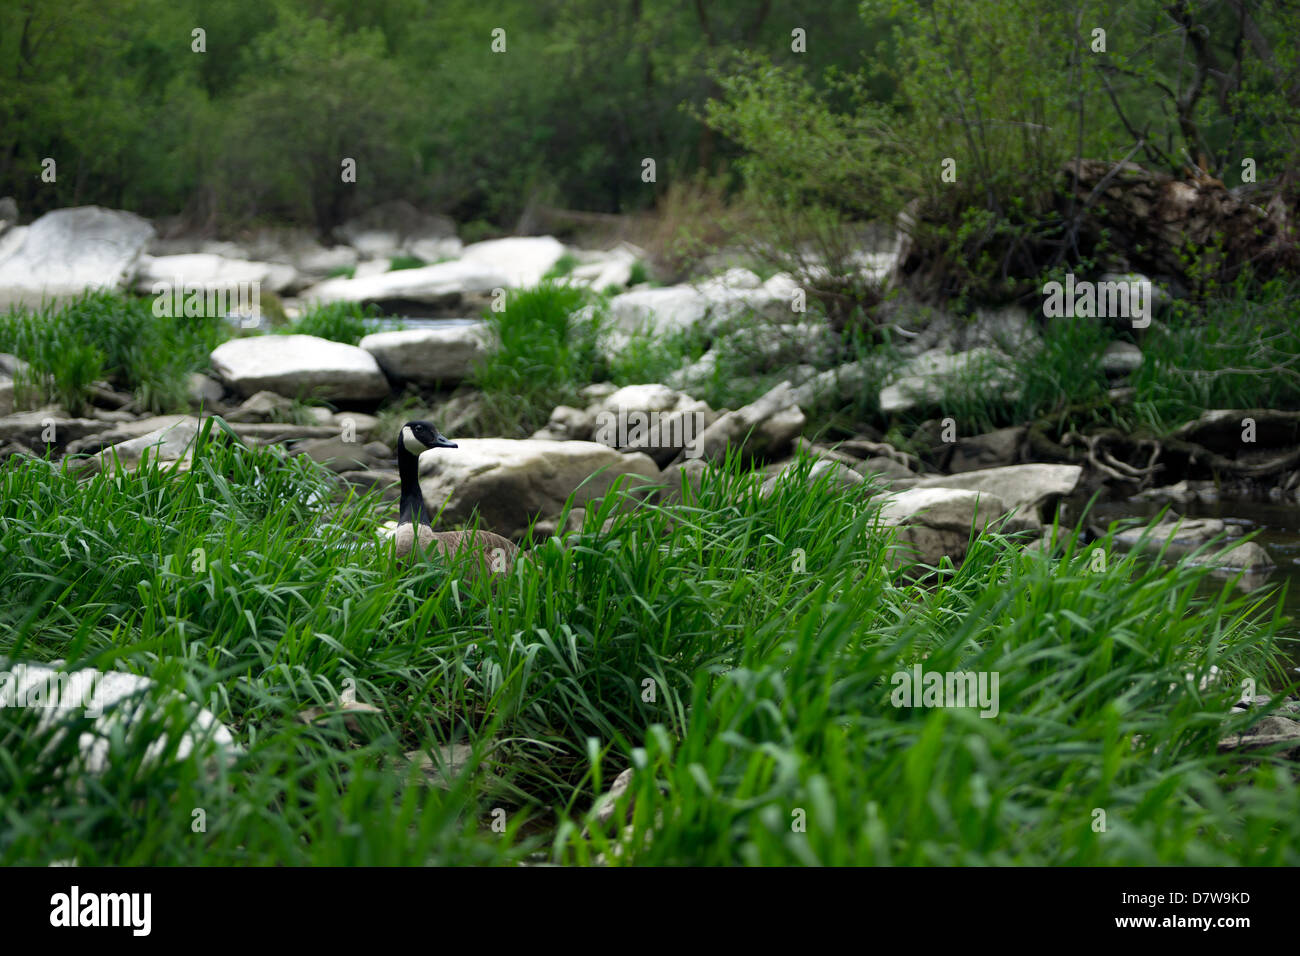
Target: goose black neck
(412, 506)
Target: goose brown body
(415, 535)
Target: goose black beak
(444, 442)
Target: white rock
(445, 354)
(114, 700)
(11, 367)
(657, 311)
(1121, 358)
(11, 240)
(69, 251)
(523, 260)
(431, 284)
(294, 365)
(205, 271)
(936, 522)
(172, 442)
(1023, 487)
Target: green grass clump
(739, 650)
(336, 321)
(105, 336)
(541, 354)
(398, 263)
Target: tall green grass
(337, 321)
(543, 351)
(1240, 349)
(105, 336)
(737, 649)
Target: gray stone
(884, 467)
(299, 366)
(436, 284)
(1181, 536)
(1121, 358)
(991, 450)
(653, 419)
(123, 432)
(1027, 488)
(338, 455)
(446, 354)
(933, 523)
(831, 475)
(171, 443)
(388, 482)
(11, 368)
(522, 260)
(382, 230)
(118, 703)
(70, 251)
(204, 391)
(743, 427)
(31, 428)
(512, 482)
(206, 271)
(262, 407)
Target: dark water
(1278, 531)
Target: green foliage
(398, 263)
(102, 335)
(541, 354)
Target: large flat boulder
(1027, 488)
(934, 523)
(119, 706)
(445, 354)
(299, 365)
(208, 271)
(522, 260)
(433, 284)
(511, 482)
(70, 251)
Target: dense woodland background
(253, 129)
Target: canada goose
(413, 525)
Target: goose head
(417, 437)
